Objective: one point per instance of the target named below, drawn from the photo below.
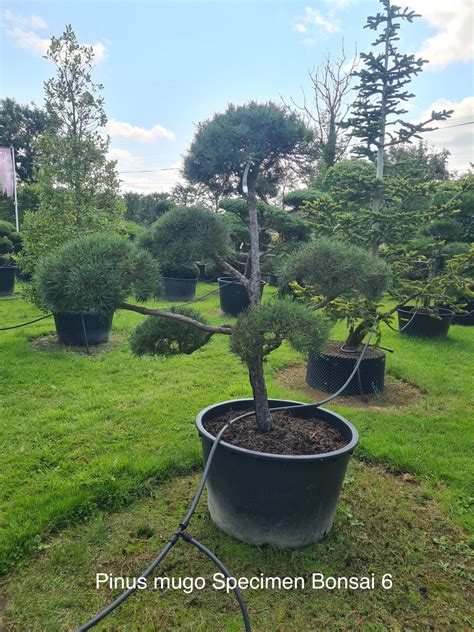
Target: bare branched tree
(327, 107)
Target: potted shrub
(85, 281)
(420, 271)
(174, 242)
(276, 477)
(345, 281)
(10, 243)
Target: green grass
(385, 524)
(81, 434)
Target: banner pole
(17, 220)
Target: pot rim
(9, 268)
(229, 280)
(279, 457)
(165, 278)
(408, 309)
(85, 313)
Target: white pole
(17, 221)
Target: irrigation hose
(181, 531)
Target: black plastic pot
(70, 328)
(465, 319)
(179, 289)
(424, 325)
(328, 372)
(7, 280)
(233, 296)
(284, 501)
(26, 277)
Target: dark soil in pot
(70, 328)
(328, 370)
(7, 280)
(424, 324)
(179, 289)
(284, 500)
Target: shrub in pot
(177, 240)
(10, 243)
(86, 280)
(269, 483)
(345, 281)
(425, 278)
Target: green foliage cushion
(185, 235)
(337, 269)
(165, 337)
(297, 198)
(260, 330)
(95, 273)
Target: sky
(165, 65)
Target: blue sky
(167, 65)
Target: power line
(151, 170)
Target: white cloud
(459, 140)
(312, 23)
(453, 22)
(120, 129)
(160, 182)
(142, 174)
(33, 43)
(27, 40)
(31, 21)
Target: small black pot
(329, 372)
(465, 319)
(7, 280)
(26, 277)
(179, 289)
(70, 328)
(284, 501)
(233, 296)
(424, 325)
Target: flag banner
(7, 172)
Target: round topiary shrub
(185, 235)
(163, 337)
(95, 274)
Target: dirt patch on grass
(397, 393)
(48, 343)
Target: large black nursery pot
(70, 328)
(7, 280)
(233, 296)
(328, 371)
(280, 500)
(424, 325)
(178, 289)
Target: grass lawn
(83, 435)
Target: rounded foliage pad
(166, 337)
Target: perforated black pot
(328, 372)
(179, 289)
(70, 328)
(284, 501)
(424, 325)
(7, 280)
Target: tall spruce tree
(377, 112)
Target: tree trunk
(260, 396)
(256, 372)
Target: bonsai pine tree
(10, 242)
(342, 279)
(381, 94)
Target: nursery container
(233, 296)
(70, 328)
(424, 325)
(328, 372)
(7, 280)
(280, 500)
(465, 319)
(179, 289)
